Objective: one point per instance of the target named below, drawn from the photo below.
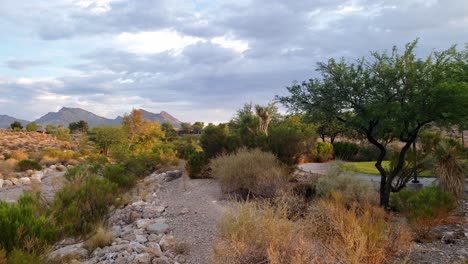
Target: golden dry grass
(101, 238)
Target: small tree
(107, 137)
(388, 97)
(16, 126)
(80, 127)
(32, 127)
(197, 127)
(185, 128)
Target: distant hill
(161, 117)
(5, 121)
(65, 116)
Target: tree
(265, 115)
(50, 129)
(169, 130)
(80, 126)
(197, 127)
(107, 137)
(32, 127)
(62, 133)
(16, 126)
(185, 128)
(388, 97)
(142, 133)
(216, 140)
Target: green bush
(25, 165)
(250, 173)
(323, 152)
(117, 174)
(22, 226)
(18, 256)
(366, 153)
(142, 164)
(345, 150)
(83, 203)
(196, 164)
(424, 209)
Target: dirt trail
(194, 209)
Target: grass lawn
(368, 167)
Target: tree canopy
(388, 97)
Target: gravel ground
(51, 182)
(194, 209)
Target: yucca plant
(450, 169)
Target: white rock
(153, 249)
(71, 250)
(35, 179)
(140, 239)
(1, 183)
(38, 174)
(53, 167)
(166, 242)
(14, 181)
(142, 223)
(143, 258)
(7, 183)
(60, 167)
(24, 181)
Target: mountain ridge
(67, 115)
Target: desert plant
(25, 165)
(19, 155)
(82, 203)
(117, 174)
(18, 256)
(250, 172)
(345, 150)
(323, 152)
(24, 226)
(196, 164)
(16, 126)
(100, 238)
(354, 191)
(424, 209)
(32, 127)
(450, 170)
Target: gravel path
(194, 209)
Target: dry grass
(100, 239)
(8, 166)
(19, 155)
(250, 172)
(264, 232)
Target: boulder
(24, 181)
(14, 181)
(172, 175)
(76, 251)
(1, 183)
(158, 227)
(60, 167)
(153, 249)
(7, 183)
(143, 258)
(167, 242)
(35, 179)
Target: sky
(196, 59)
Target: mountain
(5, 121)
(65, 116)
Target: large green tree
(388, 97)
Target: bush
(25, 165)
(141, 165)
(424, 209)
(100, 239)
(345, 150)
(196, 164)
(19, 155)
(366, 153)
(354, 191)
(22, 226)
(323, 152)
(250, 172)
(82, 203)
(116, 174)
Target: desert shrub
(19, 155)
(82, 203)
(141, 164)
(16, 126)
(216, 140)
(424, 209)
(250, 172)
(345, 150)
(117, 174)
(196, 164)
(99, 239)
(25, 165)
(255, 232)
(366, 153)
(18, 256)
(356, 235)
(23, 226)
(354, 191)
(53, 156)
(7, 166)
(323, 152)
(32, 127)
(62, 133)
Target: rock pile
(139, 230)
(30, 176)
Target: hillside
(65, 116)
(5, 121)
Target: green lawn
(368, 167)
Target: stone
(161, 260)
(142, 223)
(463, 252)
(172, 175)
(1, 183)
(167, 242)
(29, 172)
(140, 239)
(184, 211)
(38, 174)
(159, 227)
(14, 181)
(154, 249)
(7, 183)
(24, 181)
(143, 258)
(60, 167)
(53, 167)
(153, 238)
(76, 251)
(35, 179)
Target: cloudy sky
(196, 59)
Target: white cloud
(152, 42)
(95, 6)
(229, 42)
